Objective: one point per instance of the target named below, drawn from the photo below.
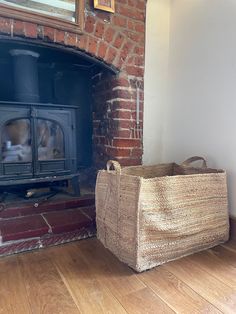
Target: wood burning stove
(38, 140)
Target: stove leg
(75, 186)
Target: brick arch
(61, 47)
(100, 40)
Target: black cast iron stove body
(38, 140)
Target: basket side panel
(181, 215)
(127, 219)
(106, 209)
(116, 208)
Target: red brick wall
(117, 39)
(116, 134)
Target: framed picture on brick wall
(105, 5)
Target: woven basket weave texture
(149, 215)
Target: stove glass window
(16, 141)
(50, 140)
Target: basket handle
(115, 165)
(188, 161)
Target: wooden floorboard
(211, 289)
(13, 296)
(84, 277)
(220, 267)
(145, 301)
(45, 289)
(177, 294)
(90, 294)
(116, 276)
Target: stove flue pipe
(25, 69)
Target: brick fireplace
(114, 45)
(117, 40)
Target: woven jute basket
(149, 215)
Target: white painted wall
(156, 76)
(199, 115)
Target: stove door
(50, 140)
(16, 143)
(36, 142)
(55, 142)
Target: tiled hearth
(25, 227)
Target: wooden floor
(83, 277)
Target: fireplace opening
(46, 115)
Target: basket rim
(194, 175)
